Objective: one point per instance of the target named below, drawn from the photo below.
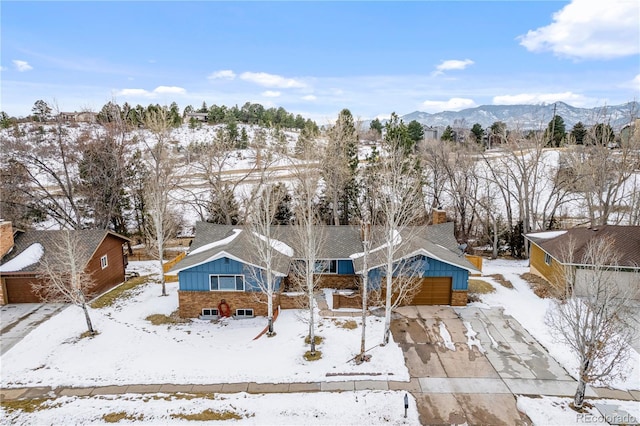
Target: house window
(326, 267)
(244, 313)
(103, 261)
(226, 282)
(547, 258)
(209, 312)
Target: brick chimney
(438, 216)
(6, 238)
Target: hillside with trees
(151, 172)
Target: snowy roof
(28, 257)
(546, 235)
(434, 241)
(27, 242)
(626, 243)
(213, 241)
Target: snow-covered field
(529, 310)
(130, 350)
(353, 408)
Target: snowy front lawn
(130, 350)
(529, 310)
(550, 410)
(329, 408)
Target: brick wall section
(347, 301)
(459, 298)
(192, 302)
(296, 301)
(6, 238)
(438, 216)
(339, 282)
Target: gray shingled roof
(340, 242)
(626, 238)
(436, 241)
(241, 247)
(89, 240)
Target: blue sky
(315, 58)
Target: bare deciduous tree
(530, 181)
(309, 235)
(161, 180)
(64, 277)
(104, 171)
(598, 326)
(462, 186)
(434, 154)
(398, 203)
(213, 161)
(364, 286)
(266, 248)
(48, 157)
(603, 176)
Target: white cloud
(133, 92)
(22, 66)
(635, 83)
(222, 74)
(453, 104)
(3, 68)
(271, 93)
(452, 64)
(589, 29)
(169, 89)
(271, 80)
(309, 97)
(160, 90)
(539, 98)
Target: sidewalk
(249, 387)
(416, 386)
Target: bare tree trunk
(494, 251)
(365, 290)
(387, 302)
(578, 398)
(88, 319)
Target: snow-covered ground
(353, 408)
(529, 310)
(549, 410)
(130, 350)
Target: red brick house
(21, 254)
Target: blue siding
(197, 278)
(432, 268)
(345, 267)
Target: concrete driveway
(470, 362)
(18, 320)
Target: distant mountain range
(527, 117)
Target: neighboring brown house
(21, 254)
(549, 255)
